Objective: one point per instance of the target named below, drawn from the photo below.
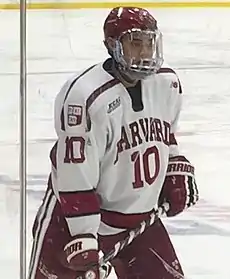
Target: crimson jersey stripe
(172, 139)
(122, 220)
(169, 70)
(79, 203)
(53, 155)
(62, 118)
(96, 93)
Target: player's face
(137, 47)
(138, 52)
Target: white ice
(197, 44)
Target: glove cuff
(180, 166)
(80, 245)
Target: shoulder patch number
(75, 150)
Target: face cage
(146, 66)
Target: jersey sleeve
(177, 105)
(79, 148)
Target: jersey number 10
(140, 160)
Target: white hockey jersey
(110, 160)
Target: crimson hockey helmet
(143, 54)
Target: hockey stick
(120, 245)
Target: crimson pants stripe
(44, 219)
(40, 215)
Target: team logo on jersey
(115, 104)
(74, 115)
(174, 84)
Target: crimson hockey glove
(179, 188)
(82, 255)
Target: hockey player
(115, 160)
